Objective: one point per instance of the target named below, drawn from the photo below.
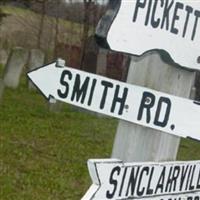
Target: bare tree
(41, 25)
(86, 23)
(56, 29)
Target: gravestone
(14, 66)
(36, 58)
(1, 88)
(3, 56)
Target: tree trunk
(41, 25)
(87, 5)
(56, 30)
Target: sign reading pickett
(113, 179)
(170, 25)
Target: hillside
(22, 27)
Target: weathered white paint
(168, 113)
(138, 143)
(172, 25)
(113, 179)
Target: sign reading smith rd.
(132, 103)
(170, 25)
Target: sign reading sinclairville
(113, 179)
(170, 25)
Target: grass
(189, 150)
(43, 154)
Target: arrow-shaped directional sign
(113, 179)
(132, 103)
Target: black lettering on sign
(64, 83)
(122, 182)
(165, 18)
(148, 12)
(174, 178)
(150, 190)
(197, 15)
(139, 4)
(155, 22)
(169, 180)
(191, 187)
(198, 181)
(106, 85)
(171, 13)
(188, 178)
(183, 176)
(140, 191)
(113, 182)
(120, 100)
(176, 17)
(79, 91)
(147, 102)
(189, 11)
(94, 81)
(160, 184)
(167, 102)
(132, 181)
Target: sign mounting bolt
(60, 62)
(52, 99)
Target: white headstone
(36, 58)
(13, 69)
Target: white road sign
(113, 179)
(170, 25)
(132, 103)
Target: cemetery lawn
(43, 154)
